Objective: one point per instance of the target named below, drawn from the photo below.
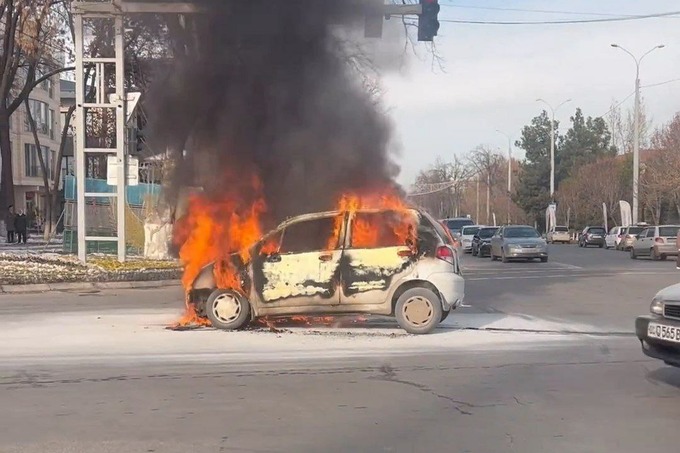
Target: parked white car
(613, 238)
(559, 234)
(466, 234)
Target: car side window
(650, 232)
(308, 235)
(642, 234)
(385, 229)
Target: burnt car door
(378, 252)
(302, 269)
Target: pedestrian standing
(20, 226)
(9, 224)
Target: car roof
(323, 214)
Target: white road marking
(589, 275)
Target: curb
(75, 286)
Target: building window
(32, 161)
(43, 117)
(47, 84)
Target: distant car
(466, 235)
(559, 234)
(481, 242)
(518, 242)
(592, 235)
(657, 242)
(628, 236)
(456, 224)
(613, 237)
(659, 332)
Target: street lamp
(636, 138)
(509, 169)
(552, 145)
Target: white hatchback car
(467, 233)
(613, 238)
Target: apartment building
(44, 103)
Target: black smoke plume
(264, 87)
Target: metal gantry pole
(80, 137)
(121, 159)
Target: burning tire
(418, 310)
(227, 309)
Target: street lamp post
(636, 137)
(509, 169)
(552, 145)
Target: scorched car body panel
(344, 279)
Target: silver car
(657, 242)
(334, 263)
(518, 242)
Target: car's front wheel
(227, 309)
(418, 310)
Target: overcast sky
(494, 73)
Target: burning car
(396, 261)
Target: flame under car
(378, 261)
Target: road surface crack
(462, 407)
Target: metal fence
(101, 214)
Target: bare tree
(30, 42)
(486, 163)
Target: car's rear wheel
(418, 310)
(653, 254)
(663, 257)
(544, 259)
(228, 310)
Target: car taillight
(445, 253)
(659, 240)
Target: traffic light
(428, 25)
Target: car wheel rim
(418, 311)
(226, 307)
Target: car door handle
(325, 257)
(275, 258)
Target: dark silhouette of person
(9, 223)
(21, 225)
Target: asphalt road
(543, 360)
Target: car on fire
(659, 332)
(399, 263)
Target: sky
(493, 74)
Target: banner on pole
(626, 213)
(604, 214)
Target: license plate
(668, 333)
(596, 236)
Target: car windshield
(597, 231)
(486, 233)
(670, 231)
(634, 230)
(521, 232)
(561, 229)
(469, 231)
(455, 225)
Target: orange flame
(372, 231)
(213, 230)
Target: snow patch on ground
(141, 335)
